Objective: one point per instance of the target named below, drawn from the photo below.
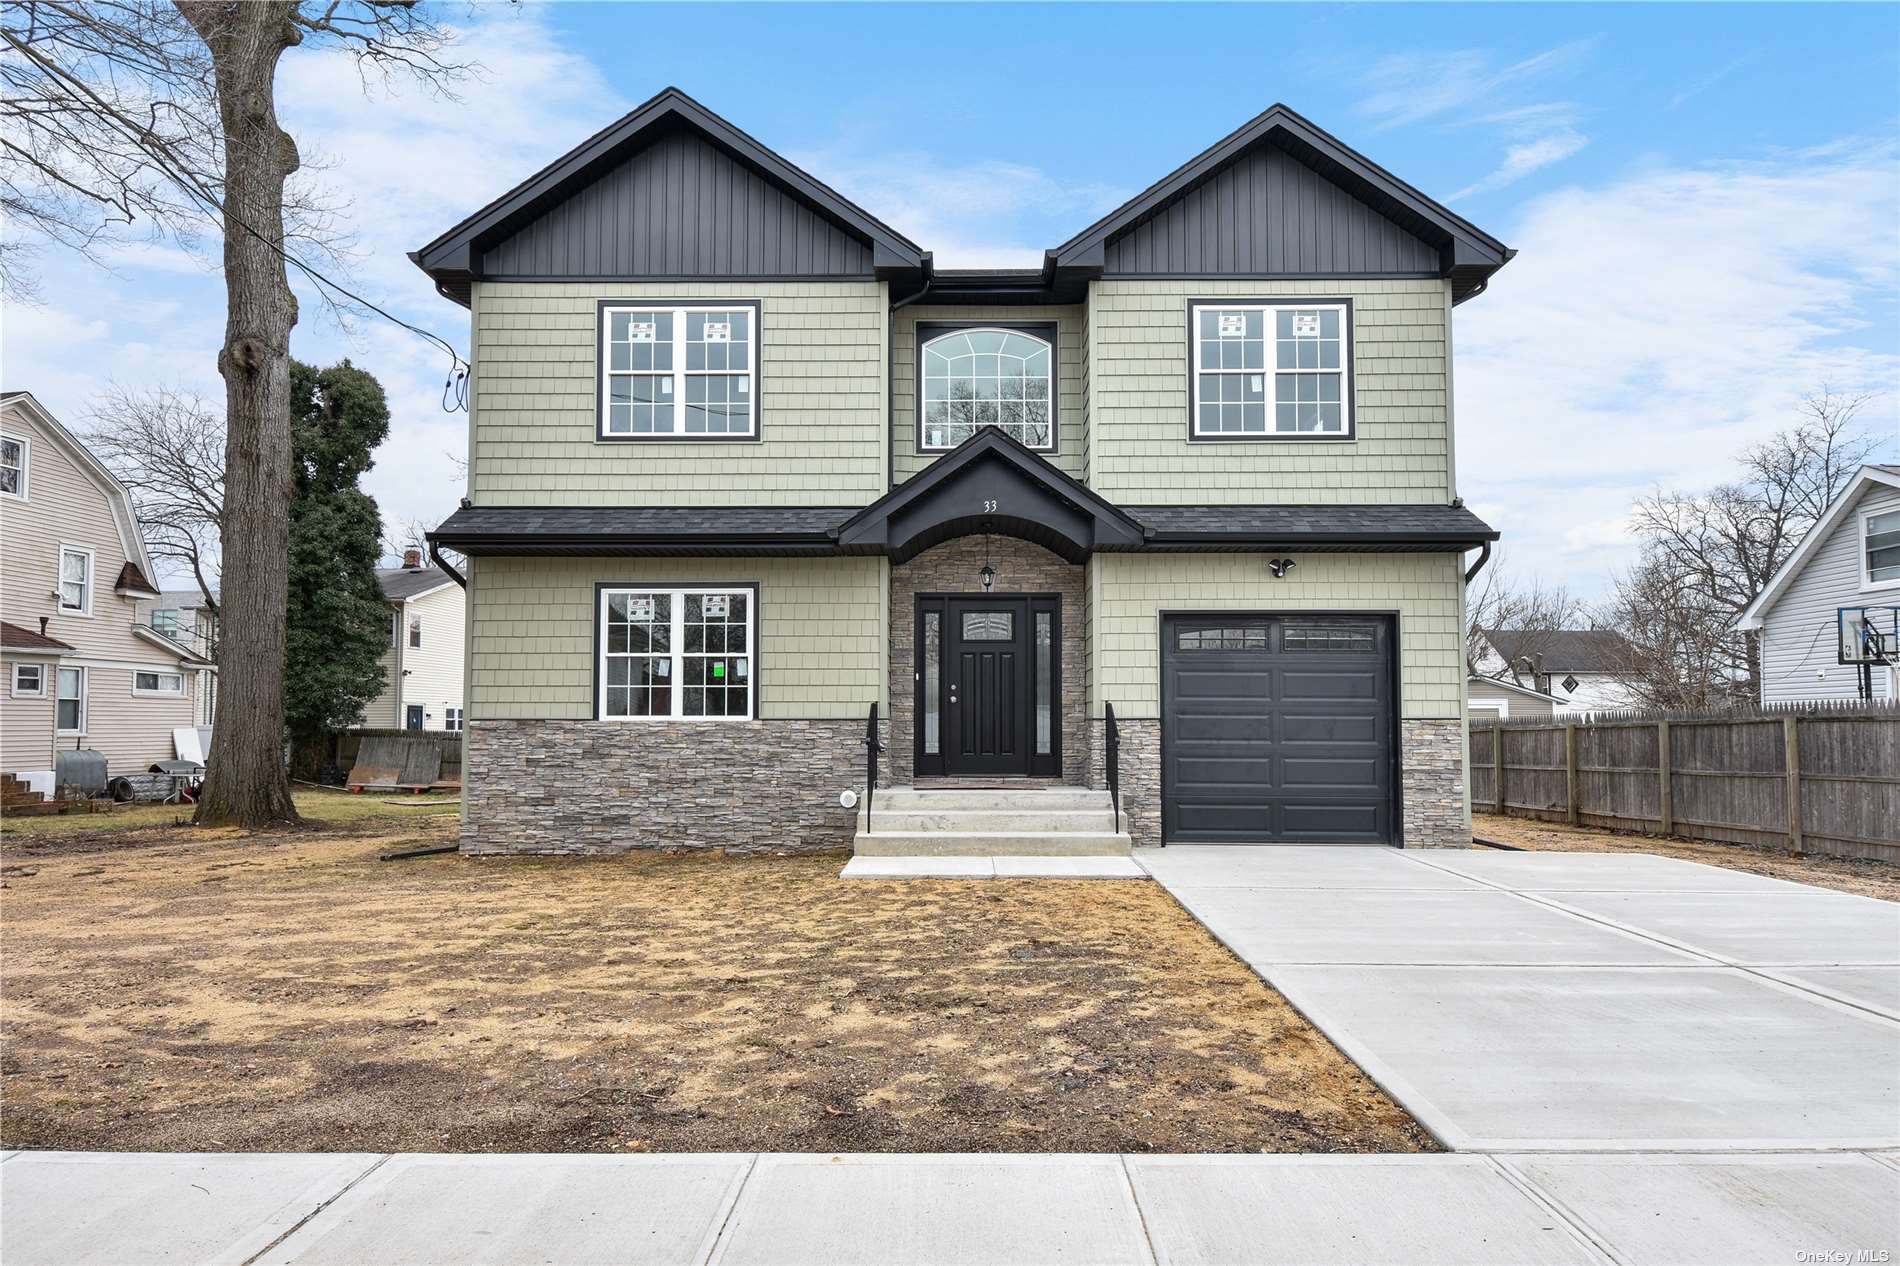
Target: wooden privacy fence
(1813, 779)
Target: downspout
(890, 396)
(1484, 556)
(435, 556)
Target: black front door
(986, 680)
(989, 685)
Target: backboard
(1869, 635)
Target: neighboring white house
(1583, 670)
(1851, 558)
(423, 665)
(81, 669)
(1488, 698)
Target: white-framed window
(972, 378)
(166, 622)
(13, 465)
(415, 630)
(451, 718)
(157, 683)
(29, 681)
(75, 580)
(679, 371)
(70, 710)
(680, 652)
(1272, 370)
(1879, 548)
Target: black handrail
(1113, 761)
(871, 748)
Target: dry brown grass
(293, 993)
(1868, 878)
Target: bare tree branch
(1706, 556)
(166, 446)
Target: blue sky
(1706, 198)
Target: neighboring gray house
(746, 467)
(1851, 558)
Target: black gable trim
(456, 257)
(1463, 251)
(991, 483)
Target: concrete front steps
(990, 822)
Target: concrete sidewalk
(1576, 1001)
(128, 1209)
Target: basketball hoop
(1869, 637)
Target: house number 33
(989, 507)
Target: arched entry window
(972, 378)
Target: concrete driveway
(1592, 1002)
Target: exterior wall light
(1279, 567)
(987, 576)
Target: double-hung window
(1279, 370)
(679, 371)
(166, 622)
(75, 580)
(29, 681)
(685, 652)
(1880, 537)
(415, 631)
(70, 710)
(13, 466)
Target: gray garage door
(1277, 729)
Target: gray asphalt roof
(1565, 650)
(407, 582)
(476, 525)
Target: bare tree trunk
(247, 783)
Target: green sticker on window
(719, 670)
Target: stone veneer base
(599, 787)
(756, 787)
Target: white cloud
(1651, 328)
(968, 215)
(1413, 87)
(1521, 160)
(1708, 81)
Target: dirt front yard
(293, 993)
(1848, 874)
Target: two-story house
(1829, 620)
(1581, 670)
(423, 665)
(743, 464)
(82, 669)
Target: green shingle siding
(1129, 591)
(1071, 403)
(821, 392)
(821, 632)
(1138, 395)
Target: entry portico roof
(989, 483)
